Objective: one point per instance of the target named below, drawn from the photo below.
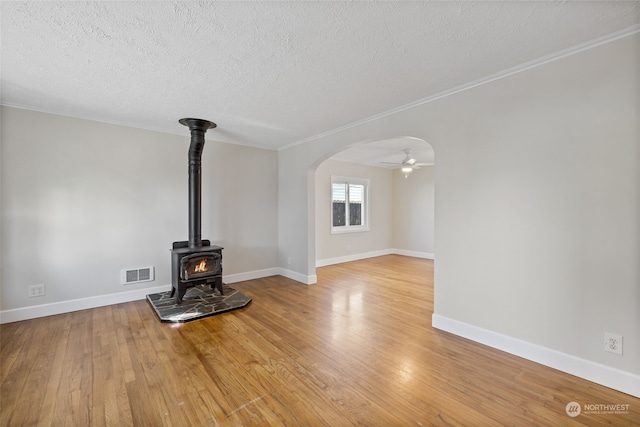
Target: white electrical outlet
(613, 343)
(36, 291)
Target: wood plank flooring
(356, 349)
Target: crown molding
(626, 32)
(130, 125)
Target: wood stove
(196, 261)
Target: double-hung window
(349, 204)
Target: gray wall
(413, 211)
(537, 200)
(537, 203)
(401, 213)
(82, 200)
(379, 235)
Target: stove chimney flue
(198, 128)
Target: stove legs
(215, 283)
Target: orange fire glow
(201, 267)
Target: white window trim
(365, 205)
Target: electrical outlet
(36, 291)
(289, 261)
(613, 343)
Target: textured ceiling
(271, 74)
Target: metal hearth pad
(199, 302)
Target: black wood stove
(196, 261)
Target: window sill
(346, 230)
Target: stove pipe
(198, 128)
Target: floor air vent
(136, 275)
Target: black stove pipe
(198, 128)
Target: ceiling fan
(408, 164)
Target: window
(349, 204)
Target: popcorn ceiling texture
(273, 73)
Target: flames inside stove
(200, 265)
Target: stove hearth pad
(198, 302)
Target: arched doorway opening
(399, 207)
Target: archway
(402, 204)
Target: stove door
(201, 265)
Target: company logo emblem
(573, 409)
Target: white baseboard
(51, 309)
(353, 257)
(425, 255)
(373, 254)
(250, 275)
(298, 277)
(616, 379)
(268, 272)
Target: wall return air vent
(137, 275)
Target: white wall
(343, 246)
(537, 204)
(82, 200)
(413, 212)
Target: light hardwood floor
(355, 349)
